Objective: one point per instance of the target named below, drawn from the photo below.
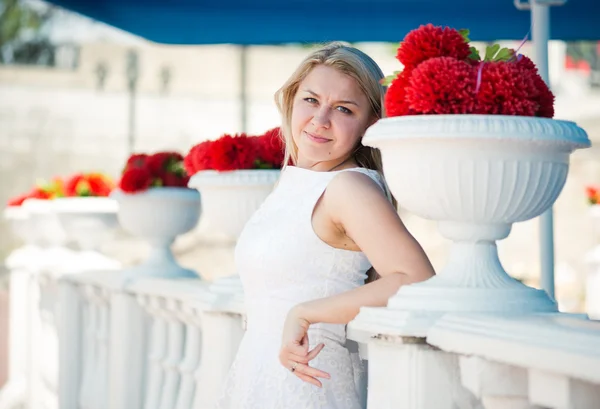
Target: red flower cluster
(79, 184)
(88, 184)
(234, 152)
(162, 169)
(429, 42)
(444, 75)
(442, 85)
(35, 193)
(593, 195)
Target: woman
(304, 256)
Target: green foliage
(17, 18)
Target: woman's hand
(294, 354)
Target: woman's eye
(310, 100)
(344, 110)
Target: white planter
(20, 224)
(475, 175)
(47, 228)
(592, 280)
(159, 215)
(88, 221)
(230, 198)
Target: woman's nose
(321, 118)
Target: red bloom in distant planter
(199, 158)
(429, 41)
(135, 180)
(72, 183)
(161, 163)
(232, 153)
(100, 185)
(593, 194)
(161, 169)
(442, 85)
(236, 152)
(88, 184)
(137, 160)
(270, 149)
(17, 200)
(174, 180)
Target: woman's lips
(316, 138)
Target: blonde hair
(347, 60)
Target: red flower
(442, 85)
(198, 158)
(162, 162)
(270, 149)
(429, 42)
(546, 97)
(99, 185)
(137, 160)
(507, 89)
(38, 193)
(593, 194)
(174, 180)
(72, 183)
(232, 153)
(17, 200)
(135, 180)
(395, 97)
(88, 184)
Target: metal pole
(540, 21)
(132, 78)
(243, 88)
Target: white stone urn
(592, 258)
(20, 224)
(87, 221)
(230, 198)
(48, 229)
(476, 175)
(159, 215)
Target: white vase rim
(85, 205)
(243, 177)
(477, 127)
(183, 193)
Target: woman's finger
(310, 371)
(314, 352)
(286, 356)
(309, 379)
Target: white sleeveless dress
(282, 262)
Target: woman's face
(329, 116)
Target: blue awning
(289, 21)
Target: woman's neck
(327, 166)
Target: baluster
(175, 342)
(101, 379)
(89, 346)
(158, 346)
(72, 355)
(191, 358)
(95, 392)
(221, 336)
(128, 350)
